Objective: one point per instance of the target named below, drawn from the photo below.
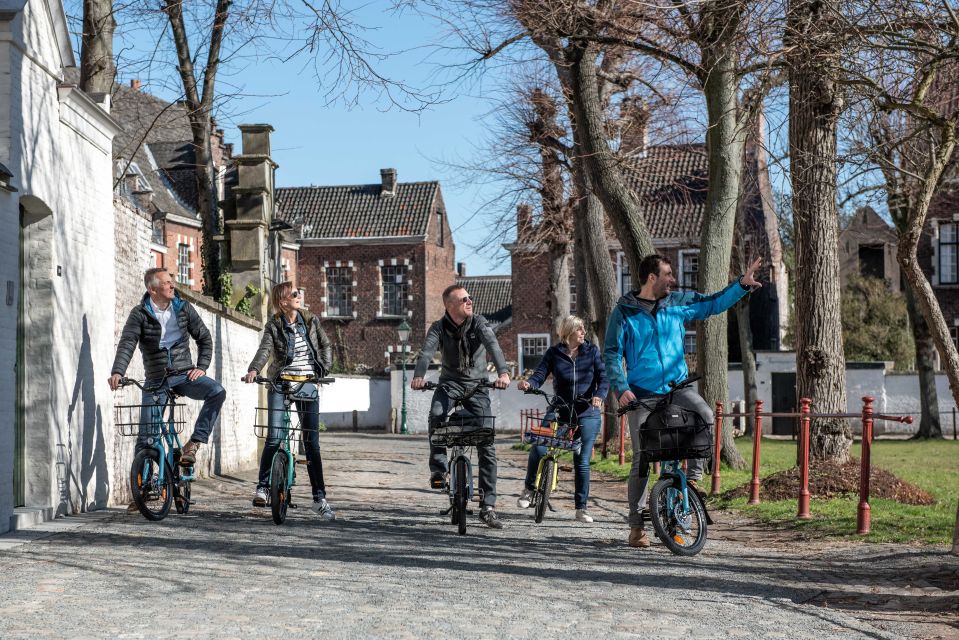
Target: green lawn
(933, 466)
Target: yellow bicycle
(557, 437)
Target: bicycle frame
(166, 442)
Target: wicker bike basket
(675, 433)
(464, 431)
(127, 419)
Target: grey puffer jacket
(277, 348)
(143, 327)
(481, 340)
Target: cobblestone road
(390, 566)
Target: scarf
(458, 333)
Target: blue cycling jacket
(652, 343)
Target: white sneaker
(524, 499)
(262, 497)
(582, 516)
(322, 508)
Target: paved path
(390, 566)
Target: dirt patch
(832, 480)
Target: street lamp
(404, 333)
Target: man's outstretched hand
(749, 278)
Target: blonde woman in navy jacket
(578, 372)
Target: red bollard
(622, 440)
(804, 466)
(757, 438)
(863, 514)
(522, 424)
(719, 443)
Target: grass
(931, 465)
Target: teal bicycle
(283, 466)
(156, 478)
(670, 434)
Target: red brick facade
(366, 337)
(944, 211)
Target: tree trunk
(750, 387)
(955, 534)
(605, 177)
(558, 293)
(815, 103)
(207, 206)
(929, 422)
(725, 143)
(97, 70)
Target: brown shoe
(692, 484)
(638, 537)
(132, 507)
(188, 455)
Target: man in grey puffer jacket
(162, 324)
(464, 340)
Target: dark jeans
(203, 388)
(588, 429)
(478, 405)
(307, 403)
(636, 489)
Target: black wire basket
(126, 419)
(464, 431)
(261, 422)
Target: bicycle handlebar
(167, 373)
(673, 388)
(275, 382)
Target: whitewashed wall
(369, 397)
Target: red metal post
(522, 424)
(622, 440)
(804, 465)
(719, 443)
(863, 514)
(757, 438)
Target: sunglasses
(295, 293)
(466, 299)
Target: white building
(56, 272)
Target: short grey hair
(150, 277)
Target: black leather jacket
(275, 347)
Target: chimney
(634, 127)
(461, 269)
(388, 186)
(135, 84)
(524, 221)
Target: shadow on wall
(91, 458)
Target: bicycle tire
(279, 491)
(152, 501)
(460, 498)
(681, 541)
(182, 501)
(544, 488)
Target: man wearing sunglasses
(464, 340)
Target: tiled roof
(492, 296)
(359, 211)
(671, 184)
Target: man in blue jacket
(647, 330)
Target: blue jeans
(588, 430)
(307, 404)
(203, 388)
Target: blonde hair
(279, 294)
(568, 327)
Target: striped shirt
(302, 360)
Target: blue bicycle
(156, 478)
(283, 465)
(670, 434)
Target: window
(395, 289)
(339, 291)
(689, 270)
(689, 343)
(439, 229)
(183, 263)
(572, 293)
(872, 261)
(954, 334)
(949, 253)
(625, 280)
(531, 350)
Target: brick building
(671, 183)
(371, 256)
(939, 255)
(867, 246)
(154, 160)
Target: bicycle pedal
(291, 505)
(446, 512)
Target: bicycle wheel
(683, 533)
(151, 499)
(279, 491)
(545, 486)
(182, 501)
(460, 498)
